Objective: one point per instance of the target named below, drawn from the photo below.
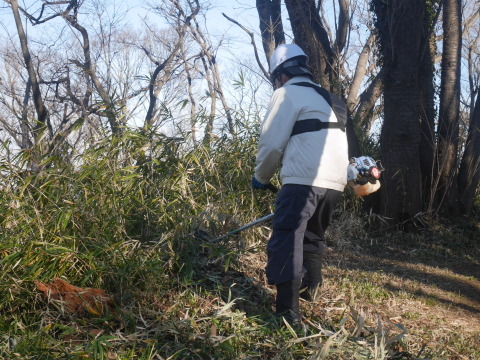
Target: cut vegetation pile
(133, 218)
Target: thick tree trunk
(469, 175)
(311, 36)
(271, 27)
(427, 115)
(448, 126)
(401, 195)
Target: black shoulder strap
(308, 125)
(337, 105)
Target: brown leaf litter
(76, 300)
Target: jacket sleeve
(276, 130)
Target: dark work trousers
(302, 214)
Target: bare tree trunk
(360, 72)
(271, 27)
(42, 112)
(155, 85)
(311, 36)
(469, 175)
(88, 67)
(193, 103)
(474, 88)
(427, 110)
(343, 26)
(207, 138)
(24, 126)
(401, 195)
(364, 115)
(215, 87)
(448, 125)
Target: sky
(235, 49)
(236, 41)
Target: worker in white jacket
(313, 164)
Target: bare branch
(368, 99)
(360, 72)
(470, 20)
(252, 38)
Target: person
(313, 173)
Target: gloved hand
(258, 185)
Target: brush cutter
(236, 231)
(270, 187)
(363, 175)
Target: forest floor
(425, 286)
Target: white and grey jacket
(317, 158)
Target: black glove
(258, 185)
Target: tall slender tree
(448, 123)
(33, 90)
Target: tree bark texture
(401, 195)
(448, 125)
(469, 175)
(40, 108)
(343, 25)
(427, 111)
(364, 116)
(360, 72)
(89, 69)
(311, 36)
(271, 26)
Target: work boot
(287, 304)
(310, 292)
(312, 281)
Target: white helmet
(288, 57)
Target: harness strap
(336, 104)
(308, 125)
